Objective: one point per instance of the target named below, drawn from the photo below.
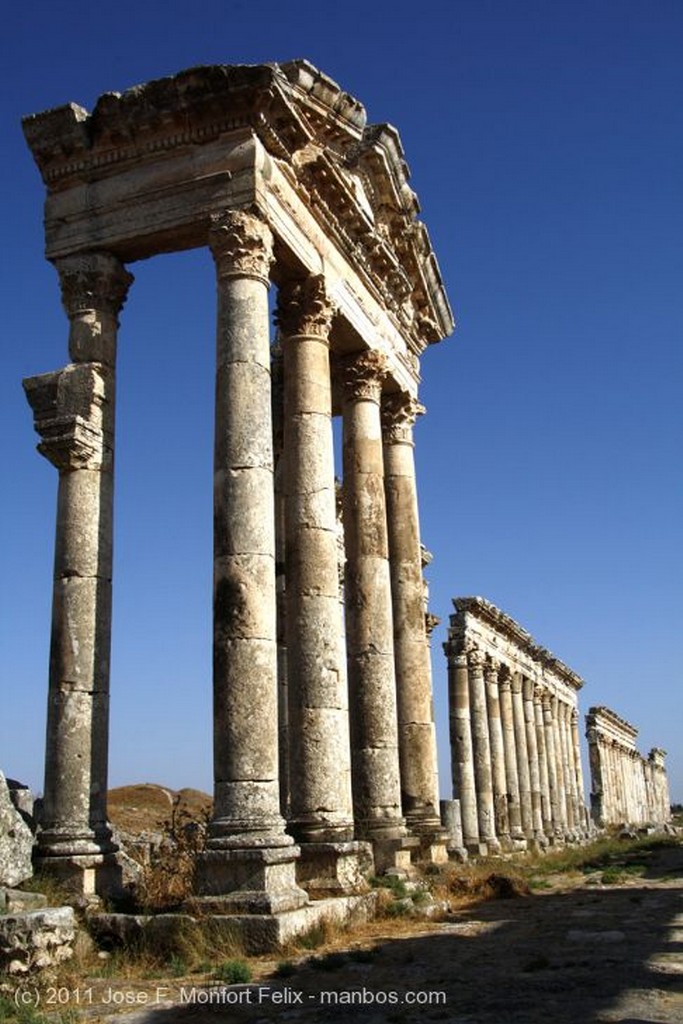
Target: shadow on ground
(595, 953)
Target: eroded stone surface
(16, 841)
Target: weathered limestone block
(16, 841)
(37, 939)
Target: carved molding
(363, 374)
(304, 308)
(93, 281)
(242, 245)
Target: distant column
(74, 411)
(546, 809)
(482, 749)
(578, 770)
(522, 756)
(511, 773)
(534, 767)
(559, 766)
(498, 775)
(549, 730)
(462, 755)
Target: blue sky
(545, 144)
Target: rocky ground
(578, 951)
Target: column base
(457, 853)
(88, 876)
(334, 869)
(394, 854)
(248, 881)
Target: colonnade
(365, 776)
(516, 759)
(626, 788)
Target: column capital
(475, 658)
(363, 374)
(67, 410)
(399, 413)
(242, 244)
(93, 281)
(491, 671)
(304, 308)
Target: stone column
(369, 623)
(482, 750)
(277, 402)
(511, 773)
(462, 755)
(522, 756)
(416, 731)
(498, 774)
(567, 776)
(597, 773)
(534, 767)
(249, 862)
(74, 412)
(318, 721)
(578, 770)
(559, 767)
(546, 812)
(549, 729)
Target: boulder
(16, 841)
(37, 939)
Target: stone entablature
(516, 759)
(324, 735)
(626, 788)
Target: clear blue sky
(545, 141)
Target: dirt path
(577, 953)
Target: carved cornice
(242, 245)
(399, 412)
(362, 376)
(67, 409)
(304, 308)
(93, 281)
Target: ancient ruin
(275, 169)
(626, 788)
(516, 759)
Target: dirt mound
(146, 807)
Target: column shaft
(511, 773)
(318, 719)
(522, 756)
(369, 624)
(482, 750)
(534, 767)
(462, 756)
(498, 774)
(416, 731)
(546, 811)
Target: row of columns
(626, 788)
(516, 760)
(360, 775)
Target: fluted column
(249, 854)
(511, 773)
(74, 411)
(498, 775)
(369, 623)
(546, 811)
(482, 749)
(534, 767)
(320, 800)
(462, 754)
(416, 731)
(522, 756)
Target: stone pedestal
(250, 861)
(369, 625)
(74, 411)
